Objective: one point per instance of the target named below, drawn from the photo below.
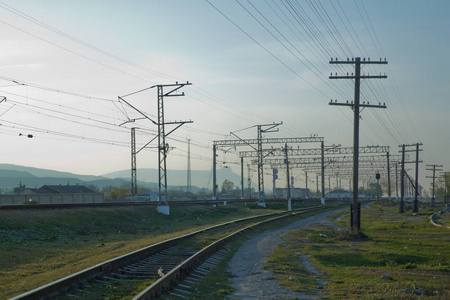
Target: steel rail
(64, 284)
(182, 270)
(119, 204)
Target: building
(296, 193)
(339, 194)
(54, 194)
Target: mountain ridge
(12, 175)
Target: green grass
(415, 254)
(40, 246)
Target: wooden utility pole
(188, 175)
(389, 176)
(288, 186)
(402, 183)
(415, 185)
(433, 199)
(356, 105)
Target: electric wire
(267, 50)
(389, 120)
(310, 66)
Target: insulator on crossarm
(353, 58)
(385, 59)
(384, 103)
(331, 59)
(348, 59)
(331, 74)
(331, 100)
(368, 59)
(336, 59)
(335, 74)
(347, 101)
(364, 59)
(335, 101)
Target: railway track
(146, 203)
(148, 272)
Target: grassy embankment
(40, 246)
(400, 256)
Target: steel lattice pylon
(163, 147)
(133, 163)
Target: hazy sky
(63, 65)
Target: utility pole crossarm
(364, 61)
(361, 77)
(360, 105)
(178, 86)
(181, 123)
(271, 127)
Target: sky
(63, 65)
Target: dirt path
(250, 279)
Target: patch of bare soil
(251, 281)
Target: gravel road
(250, 279)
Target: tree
(174, 193)
(120, 192)
(141, 190)
(227, 186)
(203, 192)
(106, 190)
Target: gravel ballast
(250, 280)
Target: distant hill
(199, 178)
(44, 172)
(13, 175)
